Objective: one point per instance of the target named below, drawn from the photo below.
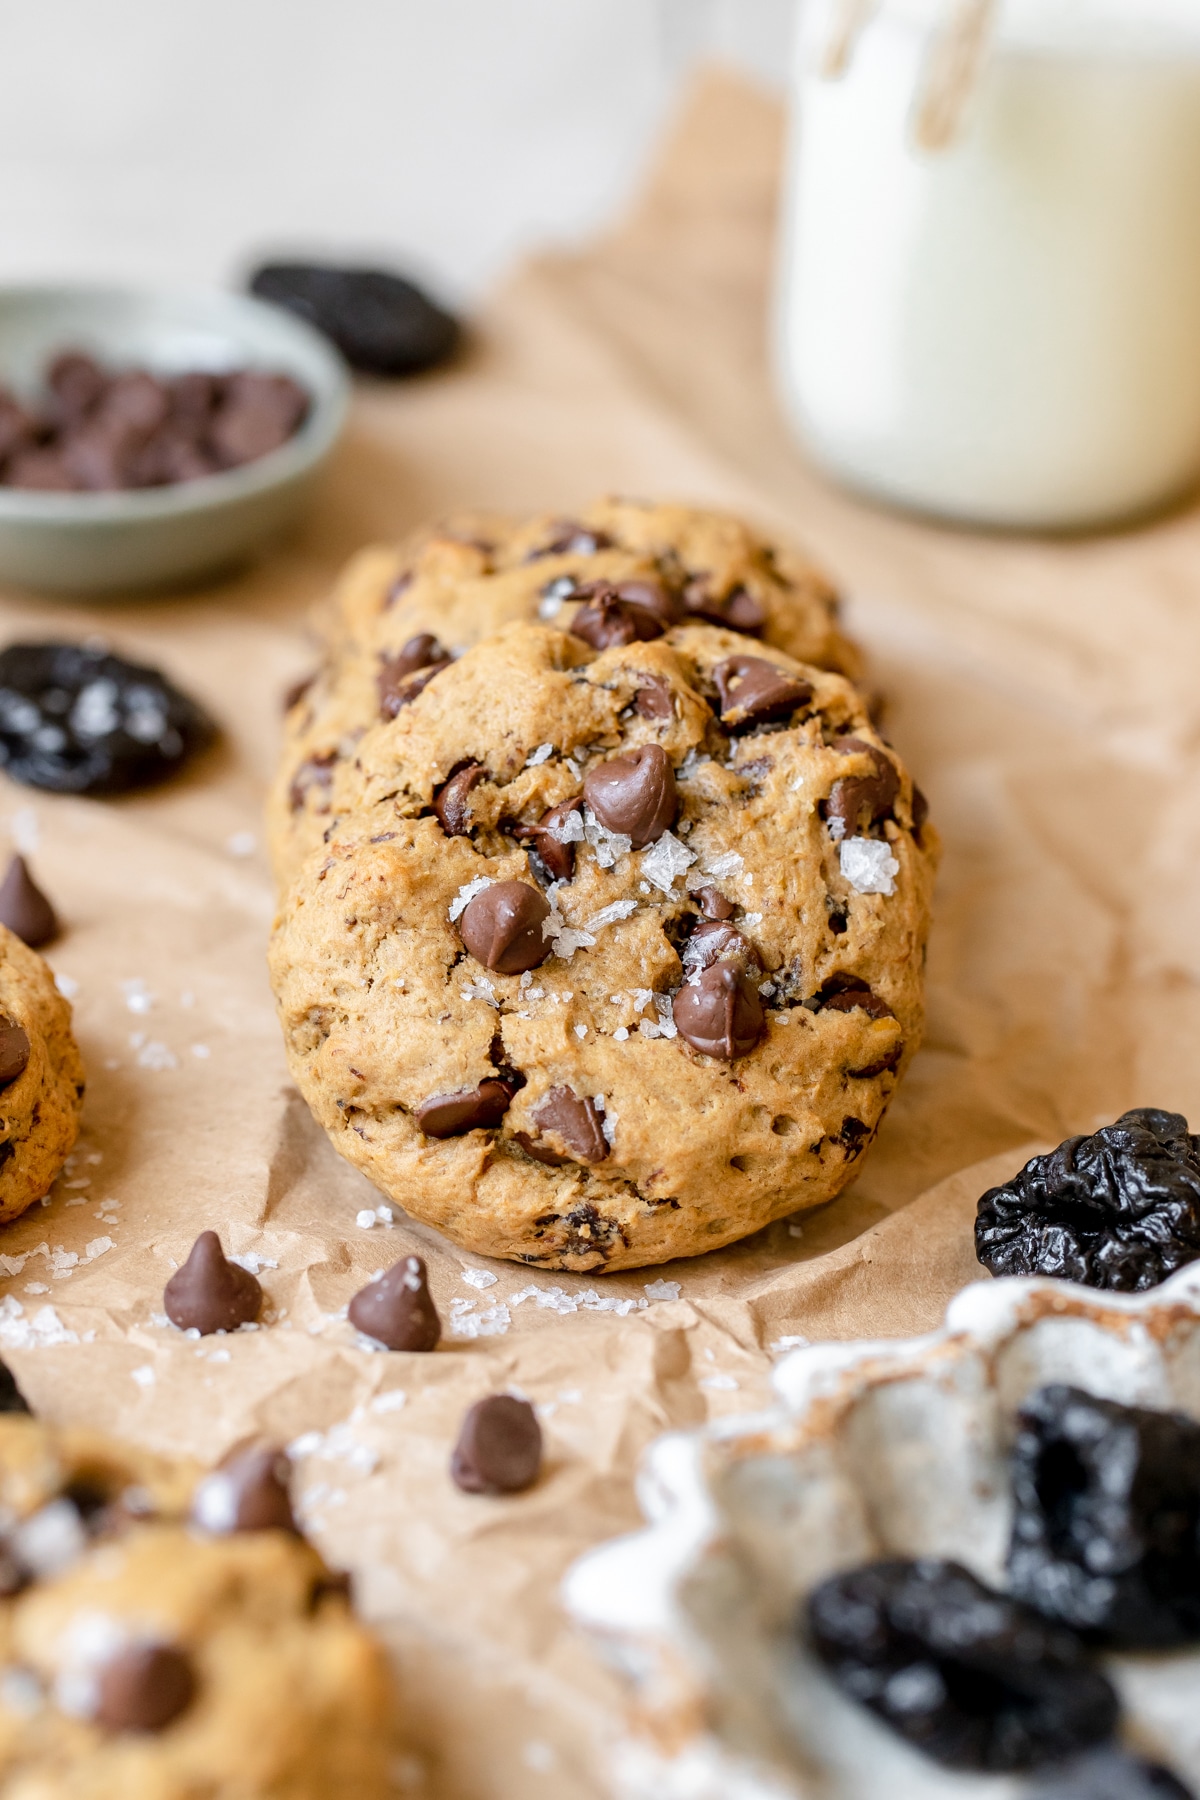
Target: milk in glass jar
(989, 304)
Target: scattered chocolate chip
(75, 720)
(397, 1309)
(209, 1292)
(634, 793)
(295, 693)
(654, 699)
(738, 610)
(716, 940)
(541, 1153)
(247, 1491)
(557, 858)
(502, 927)
(859, 801)
(569, 538)
(499, 1448)
(14, 1050)
(399, 682)
(653, 595)
(315, 774)
(720, 1013)
(860, 999)
(471, 1109)
(12, 1400)
(576, 1121)
(420, 652)
(607, 621)
(381, 323)
(144, 1687)
(25, 909)
(450, 800)
(756, 692)
(713, 903)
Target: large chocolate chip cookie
(41, 1078)
(610, 954)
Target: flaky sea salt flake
(662, 1290)
(666, 861)
(466, 894)
(868, 865)
(609, 915)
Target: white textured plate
(894, 1448)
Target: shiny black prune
(974, 1679)
(1110, 1775)
(1119, 1209)
(1106, 1527)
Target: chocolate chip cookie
(165, 1638)
(620, 572)
(612, 952)
(41, 1078)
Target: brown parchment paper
(1047, 695)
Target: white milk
(1006, 330)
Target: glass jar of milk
(989, 305)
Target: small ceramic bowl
(887, 1449)
(115, 543)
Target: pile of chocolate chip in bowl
(93, 429)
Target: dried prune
(1118, 1209)
(972, 1678)
(76, 720)
(1106, 1528)
(379, 321)
(1110, 1775)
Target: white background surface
(181, 139)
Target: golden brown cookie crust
(39, 1111)
(382, 1007)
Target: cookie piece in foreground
(77, 720)
(41, 1078)
(146, 1652)
(637, 991)
(1119, 1209)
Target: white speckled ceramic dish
(161, 537)
(892, 1448)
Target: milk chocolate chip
(713, 903)
(576, 1121)
(397, 692)
(851, 999)
(25, 909)
(607, 620)
(737, 610)
(557, 858)
(859, 801)
(634, 793)
(470, 1109)
(247, 1491)
(502, 927)
(450, 800)
(397, 1309)
(720, 1013)
(144, 1687)
(716, 940)
(14, 1050)
(653, 699)
(210, 1293)
(499, 1448)
(755, 692)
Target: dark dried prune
(1119, 1209)
(970, 1677)
(1106, 1528)
(1110, 1775)
(380, 322)
(76, 720)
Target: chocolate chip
(400, 586)
(576, 1120)
(247, 1491)
(502, 927)
(859, 801)
(144, 1687)
(12, 1400)
(720, 1013)
(399, 687)
(450, 800)
(257, 414)
(25, 909)
(40, 471)
(737, 610)
(607, 621)
(397, 1309)
(717, 941)
(315, 772)
(634, 793)
(499, 1448)
(653, 595)
(420, 652)
(381, 323)
(76, 382)
(857, 999)
(653, 699)
(557, 858)
(569, 538)
(540, 1153)
(14, 1050)
(470, 1109)
(756, 692)
(713, 903)
(210, 1293)
(16, 427)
